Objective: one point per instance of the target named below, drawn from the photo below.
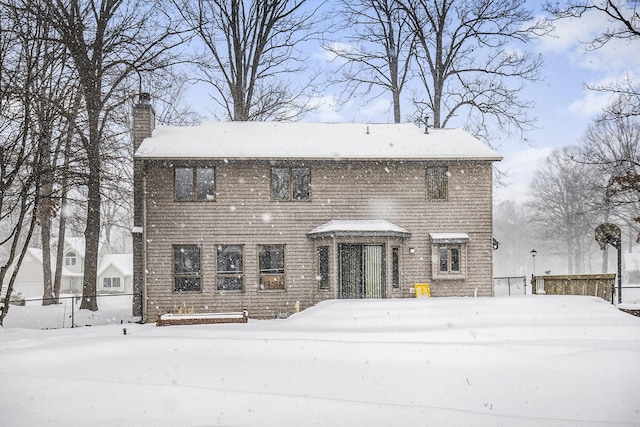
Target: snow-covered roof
(312, 141)
(352, 228)
(123, 262)
(449, 237)
(36, 253)
(76, 244)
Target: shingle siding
(243, 213)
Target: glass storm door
(361, 271)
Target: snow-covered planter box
(202, 318)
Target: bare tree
(471, 61)
(108, 41)
(561, 201)
(251, 51)
(611, 144)
(378, 48)
(19, 157)
(624, 17)
(623, 14)
(51, 86)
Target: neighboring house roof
(312, 141)
(36, 253)
(76, 244)
(354, 228)
(122, 262)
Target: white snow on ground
(525, 361)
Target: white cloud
(327, 109)
(379, 107)
(590, 104)
(569, 34)
(571, 37)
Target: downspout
(145, 310)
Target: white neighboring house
(114, 271)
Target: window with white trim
(70, 258)
(111, 282)
(449, 255)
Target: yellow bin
(422, 290)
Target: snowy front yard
(535, 360)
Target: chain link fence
(509, 286)
(113, 308)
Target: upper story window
(195, 183)
(70, 258)
(186, 268)
(271, 263)
(290, 183)
(437, 183)
(230, 269)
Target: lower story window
(395, 268)
(323, 267)
(271, 263)
(111, 282)
(186, 268)
(230, 269)
(449, 259)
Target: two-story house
(272, 216)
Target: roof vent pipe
(426, 124)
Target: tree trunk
(57, 279)
(92, 234)
(44, 217)
(92, 229)
(45, 229)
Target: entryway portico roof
(359, 228)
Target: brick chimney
(144, 119)
(144, 122)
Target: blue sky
(564, 107)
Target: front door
(361, 271)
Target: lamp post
(533, 258)
(533, 284)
